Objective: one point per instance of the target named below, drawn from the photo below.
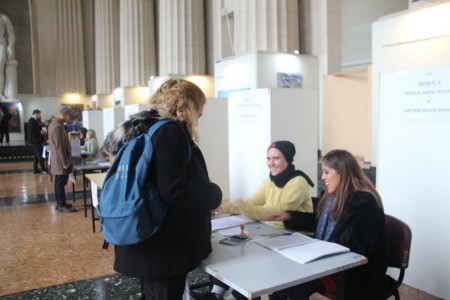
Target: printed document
(302, 248)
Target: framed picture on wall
(289, 80)
(11, 110)
(77, 108)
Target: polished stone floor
(49, 255)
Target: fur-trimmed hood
(129, 129)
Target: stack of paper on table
(302, 248)
(229, 221)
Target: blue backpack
(130, 209)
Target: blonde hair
(180, 100)
(92, 134)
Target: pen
(276, 234)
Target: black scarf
(281, 179)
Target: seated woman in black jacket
(349, 213)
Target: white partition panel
(411, 92)
(266, 70)
(258, 117)
(131, 109)
(93, 119)
(111, 118)
(413, 167)
(249, 136)
(213, 136)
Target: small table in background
(86, 167)
(97, 180)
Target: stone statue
(7, 43)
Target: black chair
(399, 237)
(315, 202)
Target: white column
(137, 42)
(107, 71)
(69, 53)
(259, 25)
(320, 21)
(181, 37)
(321, 32)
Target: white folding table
(254, 270)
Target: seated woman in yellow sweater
(285, 189)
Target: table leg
(84, 194)
(93, 210)
(340, 285)
(73, 188)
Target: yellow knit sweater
(270, 198)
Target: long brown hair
(352, 179)
(180, 100)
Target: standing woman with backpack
(163, 261)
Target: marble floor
(49, 255)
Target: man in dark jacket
(36, 137)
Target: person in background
(91, 145)
(103, 154)
(184, 240)
(83, 133)
(60, 157)
(36, 133)
(285, 189)
(350, 213)
(4, 124)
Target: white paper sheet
(312, 251)
(226, 222)
(302, 248)
(231, 231)
(286, 241)
(94, 193)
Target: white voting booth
(131, 109)
(264, 70)
(258, 117)
(105, 121)
(213, 141)
(235, 133)
(93, 119)
(411, 80)
(269, 96)
(111, 118)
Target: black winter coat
(184, 239)
(362, 229)
(34, 131)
